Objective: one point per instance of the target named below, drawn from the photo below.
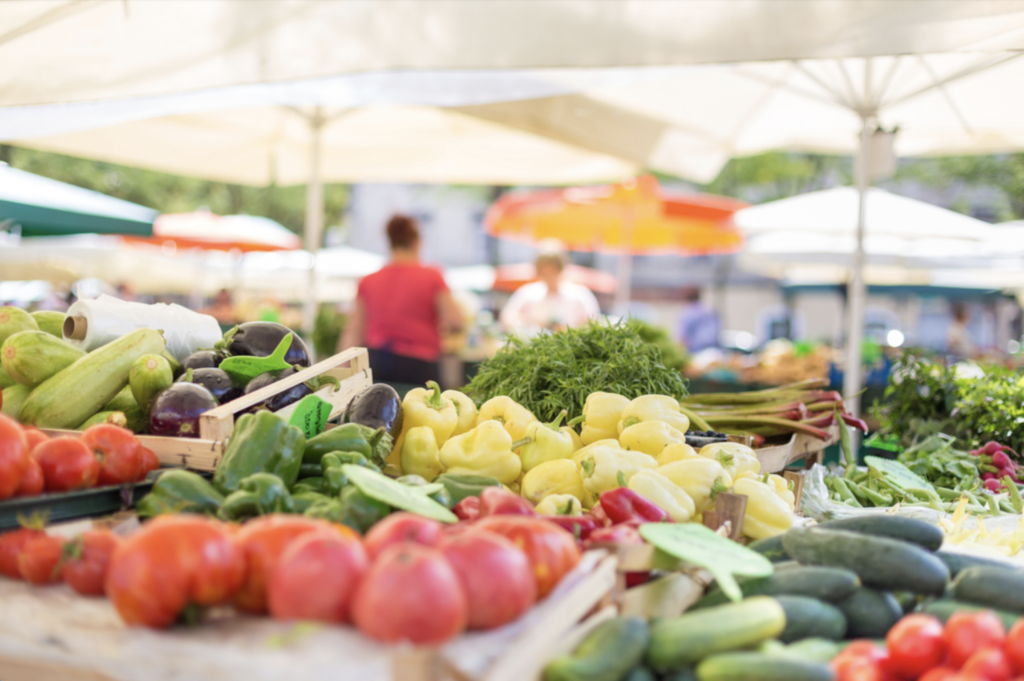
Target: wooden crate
(800, 446)
(351, 368)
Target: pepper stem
(578, 420)
(557, 423)
(519, 443)
(434, 400)
(631, 421)
(717, 487)
(620, 478)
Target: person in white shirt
(550, 303)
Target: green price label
(248, 368)
(310, 415)
(898, 474)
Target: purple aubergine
(175, 411)
(218, 382)
(377, 406)
(202, 359)
(281, 399)
(260, 339)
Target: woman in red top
(399, 311)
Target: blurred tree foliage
(777, 174)
(1003, 173)
(177, 194)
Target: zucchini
(911, 530)
(682, 641)
(125, 402)
(824, 583)
(13, 320)
(771, 548)
(956, 562)
(811, 649)
(14, 398)
(50, 322)
(31, 357)
(880, 563)
(746, 666)
(809, 617)
(149, 375)
(5, 379)
(943, 608)
(869, 613)
(990, 586)
(607, 654)
(72, 395)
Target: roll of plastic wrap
(96, 322)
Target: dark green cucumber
(911, 530)
(943, 608)
(686, 674)
(824, 583)
(771, 548)
(908, 601)
(956, 562)
(990, 586)
(607, 654)
(811, 618)
(870, 613)
(641, 674)
(880, 563)
(744, 666)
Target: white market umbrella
(286, 274)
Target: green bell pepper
(305, 500)
(258, 494)
(261, 443)
(375, 445)
(354, 509)
(461, 486)
(441, 496)
(334, 477)
(309, 470)
(180, 491)
(309, 485)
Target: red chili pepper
(855, 422)
(623, 504)
(579, 526)
(468, 508)
(616, 534)
(598, 514)
(498, 501)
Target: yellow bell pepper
(701, 478)
(466, 410)
(659, 490)
(514, 417)
(420, 454)
(553, 477)
(734, 457)
(426, 407)
(601, 414)
(677, 452)
(783, 488)
(559, 504)
(767, 515)
(545, 442)
(513, 487)
(582, 452)
(485, 450)
(650, 437)
(654, 408)
(577, 443)
(605, 468)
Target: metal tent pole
(624, 266)
(856, 298)
(314, 214)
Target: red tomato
(39, 560)
(412, 594)
(32, 482)
(1014, 645)
(968, 632)
(991, 664)
(317, 576)
(67, 464)
(149, 462)
(940, 674)
(117, 450)
(11, 544)
(495, 575)
(402, 527)
(861, 661)
(915, 645)
(262, 541)
(86, 560)
(13, 456)
(551, 550)
(34, 437)
(171, 563)
(499, 501)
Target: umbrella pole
(857, 293)
(314, 216)
(624, 267)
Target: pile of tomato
(31, 462)
(972, 646)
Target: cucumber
(811, 649)
(911, 530)
(908, 601)
(607, 654)
(13, 320)
(149, 375)
(685, 674)
(771, 548)
(641, 674)
(823, 583)
(870, 613)
(746, 666)
(71, 396)
(115, 418)
(880, 563)
(993, 587)
(943, 608)
(122, 400)
(956, 562)
(5, 379)
(809, 618)
(14, 398)
(684, 640)
(176, 367)
(50, 322)
(31, 357)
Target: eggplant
(260, 339)
(202, 359)
(218, 382)
(282, 399)
(175, 411)
(378, 406)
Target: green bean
(1015, 499)
(849, 456)
(949, 494)
(876, 498)
(1007, 506)
(845, 492)
(993, 505)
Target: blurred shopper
(698, 323)
(222, 308)
(550, 303)
(400, 310)
(958, 338)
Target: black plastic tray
(70, 505)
